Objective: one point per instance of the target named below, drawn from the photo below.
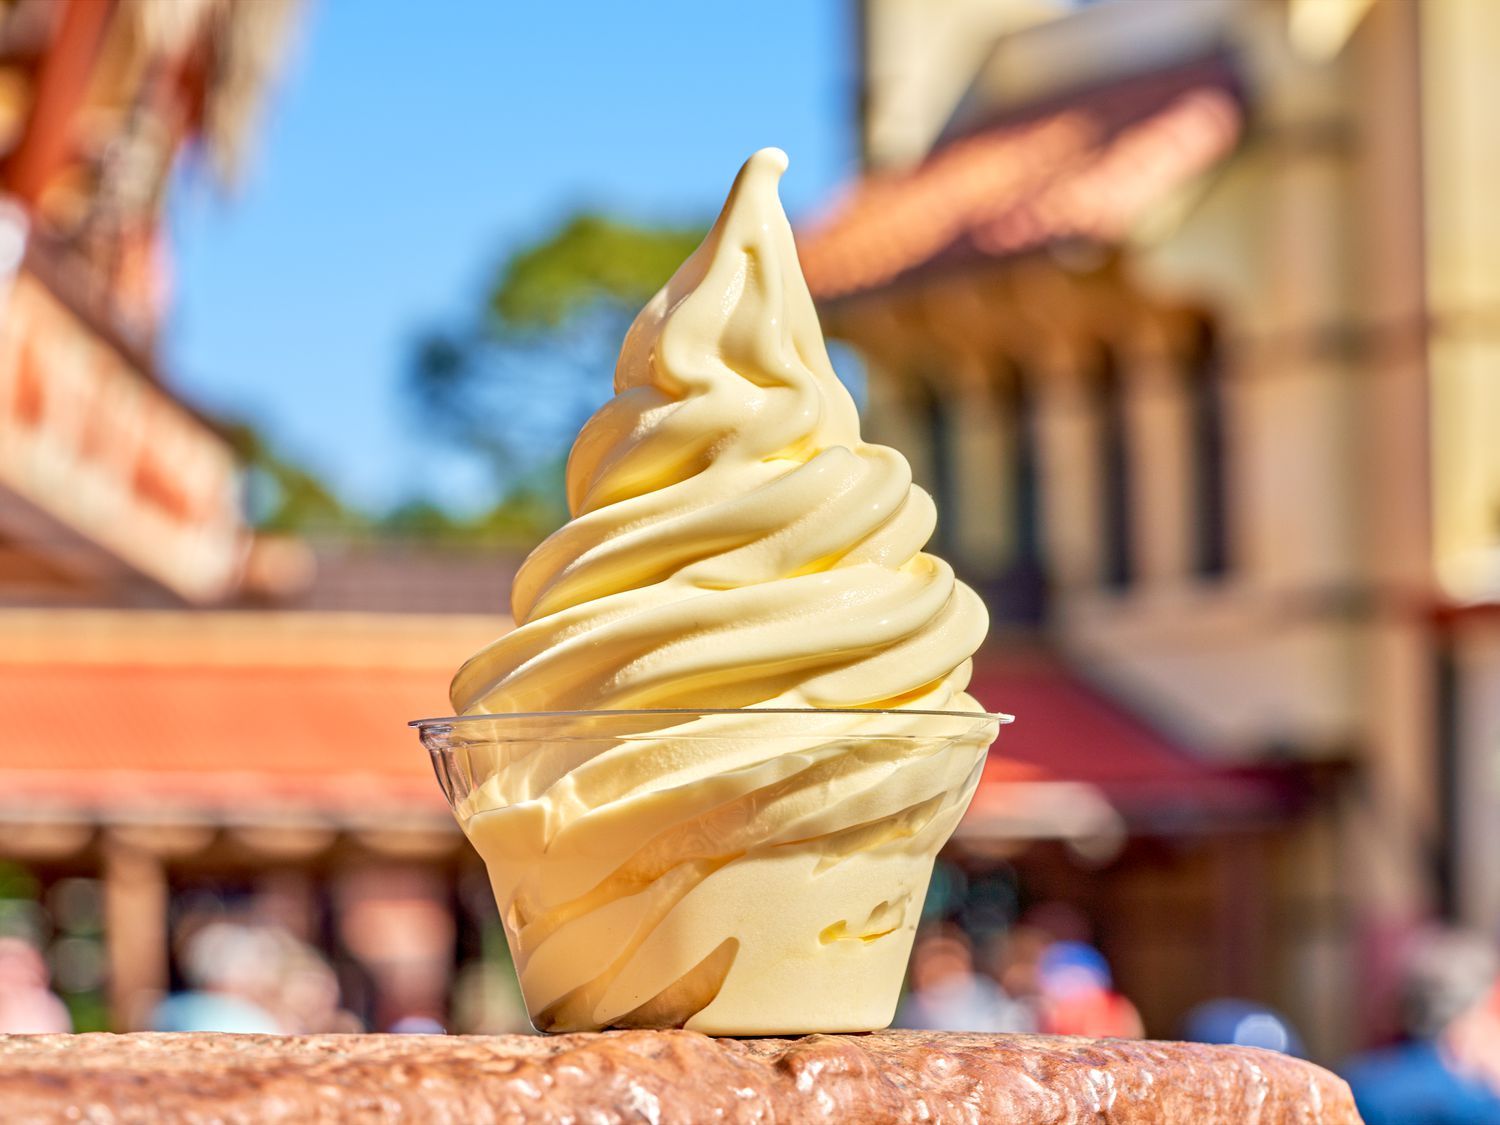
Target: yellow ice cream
(734, 544)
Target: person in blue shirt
(226, 965)
(1422, 1080)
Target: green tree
(589, 265)
(283, 496)
(527, 510)
(512, 385)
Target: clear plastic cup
(744, 872)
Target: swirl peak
(734, 541)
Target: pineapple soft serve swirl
(734, 544)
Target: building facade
(1183, 312)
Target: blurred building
(107, 480)
(197, 723)
(1185, 312)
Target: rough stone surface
(657, 1076)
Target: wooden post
(135, 930)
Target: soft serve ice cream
(734, 545)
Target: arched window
(1114, 471)
(1209, 487)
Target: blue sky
(408, 146)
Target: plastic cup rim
(999, 717)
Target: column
(1159, 424)
(1068, 447)
(135, 930)
(1461, 160)
(976, 462)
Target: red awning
(1069, 733)
(1085, 166)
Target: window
(1024, 582)
(1114, 471)
(1026, 508)
(1209, 503)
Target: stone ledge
(658, 1076)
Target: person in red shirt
(1077, 995)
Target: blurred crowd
(256, 963)
(1036, 976)
(255, 977)
(1040, 976)
(250, 977)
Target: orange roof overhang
(224, 717)
(1082, 167)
